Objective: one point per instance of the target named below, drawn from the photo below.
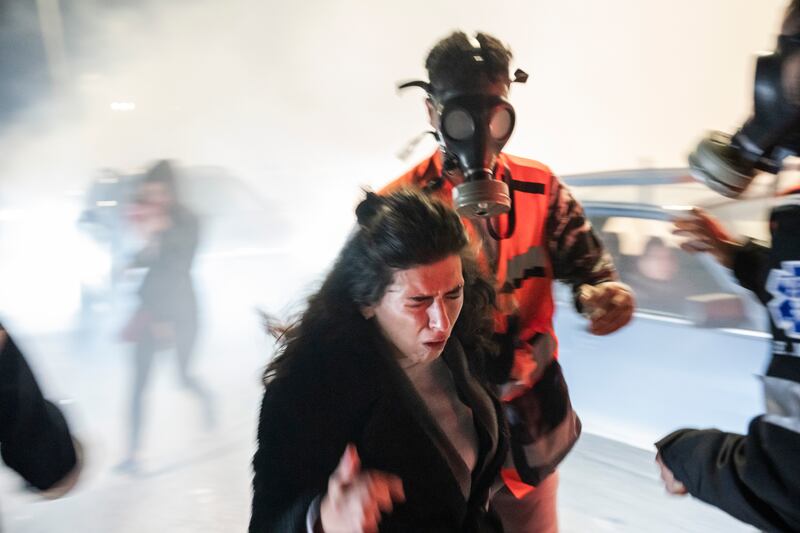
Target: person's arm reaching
(579, 259)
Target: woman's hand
(356, 499)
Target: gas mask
(728, 164)
(473, 128)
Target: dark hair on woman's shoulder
(394, 232)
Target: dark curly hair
(455, 63)
(163, 172)
(394, 232)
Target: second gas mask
(728, 164)
(472, 129)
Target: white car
(691, 355)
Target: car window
(650, 260)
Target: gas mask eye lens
(458, 125)
(500, 124)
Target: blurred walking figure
(167, 314)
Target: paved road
(196, 479)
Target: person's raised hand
(356, 498)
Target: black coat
(167, 293)
(354, 391)
(34, 437)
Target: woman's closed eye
(419, 301)
(415, 302)
(455, 294)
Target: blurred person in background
(103, 217)
(104, 221)
(376, 413)
(654, 276)
(167, 315)
(754, 477)
(35, 440)
(543, 235)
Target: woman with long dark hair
(376, 415)
(167, 312)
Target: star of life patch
(784, 285)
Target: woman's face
(419, 308)
(156, 195)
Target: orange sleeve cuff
(518, 488)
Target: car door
(690, 355)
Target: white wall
(299, 98)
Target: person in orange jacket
(527, 230)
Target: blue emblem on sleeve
(784, 285)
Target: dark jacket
(756, 477)
(34, 437)
(167, 292)
(353, 391)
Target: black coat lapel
(478, 399)
(398, 381)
